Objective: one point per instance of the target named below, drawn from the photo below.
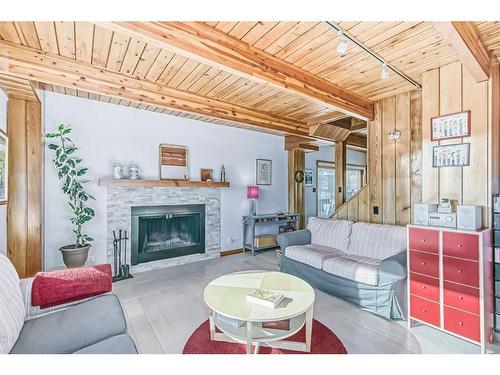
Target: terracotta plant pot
(74, 256)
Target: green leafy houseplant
(70, 173)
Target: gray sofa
(362, 263)
(94, 326)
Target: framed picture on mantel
(173, 162)
(454, 125)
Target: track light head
(342, 46)
(384, 74)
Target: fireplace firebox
(160, 232)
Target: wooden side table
(250, 223)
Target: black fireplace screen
(160, 232)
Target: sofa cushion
(11, 305)
(330, 232)
(72, 329)
(376, 240)
(357, 268)
(121, 344)
(312, 254)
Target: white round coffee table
(241, 321)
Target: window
(325, 172)
(354, 180)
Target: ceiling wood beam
(464, 39)
(358, 124)
(345, 123)
(349, 123)
(328, 132)
(18, 88)
(28, 63)
(294, 142)
(209, 45)
(327, 117)
(357, 140)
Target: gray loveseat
(93, 326)
(362, 263)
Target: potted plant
(70, 173)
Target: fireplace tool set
(121, 270)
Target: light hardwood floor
(163, 307)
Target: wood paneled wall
(356, 208)
(394, 166)
(24, 212)
(340, 172)
(400, 173)
(453, 89)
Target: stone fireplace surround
(121, 199)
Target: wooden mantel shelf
(161, 183)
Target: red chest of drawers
(450, 281)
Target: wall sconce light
(394, 135)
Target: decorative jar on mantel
(117, 170)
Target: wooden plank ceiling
(413, 47)
(490, 35)
(152, 108)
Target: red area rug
(324, 341)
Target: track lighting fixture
(384, 74)
(344, 37)
(342, 46)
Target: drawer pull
(460, 323)
(460, 245)
(424, 310)
(423, 263)
(422, 240)
(424, 287)
(460, 298)
(460, 271)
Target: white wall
(106, 132)
(3, 208)
(326, 153)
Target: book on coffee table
(265, 298)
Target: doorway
(325, 172)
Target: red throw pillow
(59, 287)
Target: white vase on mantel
(133, 171)
(117, 170)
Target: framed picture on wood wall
(454, 125)
(4, 144)
(264, 172)
(456, 155)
